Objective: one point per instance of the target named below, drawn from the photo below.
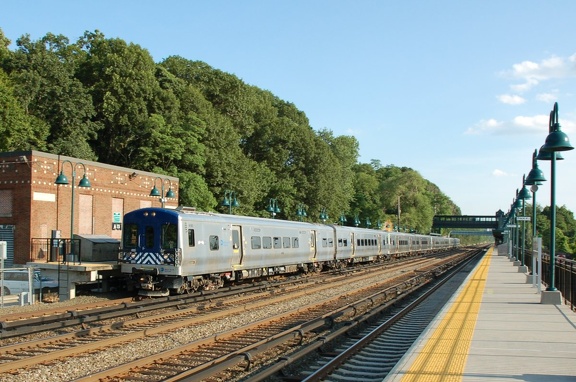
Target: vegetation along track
(168, 327)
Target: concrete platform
(495, 329)
(70, 274)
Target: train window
(266, 242)
(169, 237)
(340, 244)
(256, 242)
(312, 240)
(330, 242)
(286, 242)
(277, 243)
(130, 236)
(295, 243)
(191, 239)
(149, 237)
(235, 239)
(214, 243)
(324, 242)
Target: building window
(5, 203)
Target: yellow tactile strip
(444, 355)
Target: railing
(55, 250)
(564, 272)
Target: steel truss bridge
(483, 224)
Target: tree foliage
(106, 99)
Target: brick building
(32, 205)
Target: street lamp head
(154, 192)
(524, 194)
(535, 176)
(556, 140)
(84, 182)
(170, 193)
(61, 179)
(547, 155)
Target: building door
(7, 235)
(86, 216)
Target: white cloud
(499, 173)
(511, 99)
(546, 97)
(484, 126)
(537, 123)
(533, 73)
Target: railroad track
(219, 357)
(373, 346)
(64, 347)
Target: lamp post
(84, 182)
(534, 179)
(523, 195)
(273, 207)
(169, 193)
(356, 220)
(342, 219)
(516, 205)
(301, 211)
(555, 141)
(230, 200)
(323, 215)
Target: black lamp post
(169, 193)
(301, 211)
(230, 200)
(555, 141)
(273, 207)
(84, 182)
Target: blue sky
(460, 91)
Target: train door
(313, 250)
(353, 244)
(237, 247)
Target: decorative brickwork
(37, 205)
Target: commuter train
(167, 251)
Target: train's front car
(151, 253)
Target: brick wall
(40, 206)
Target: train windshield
(130, 236)
(169, 236)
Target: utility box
(96, 248)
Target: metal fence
(55, 250)
(564, 275)
(22, 286)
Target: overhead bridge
(466, 223)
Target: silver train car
(179, 251)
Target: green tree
(121, 79)
(43, 72)
(18, 130)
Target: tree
(43, 72)
(18, 130)
(121, 79)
